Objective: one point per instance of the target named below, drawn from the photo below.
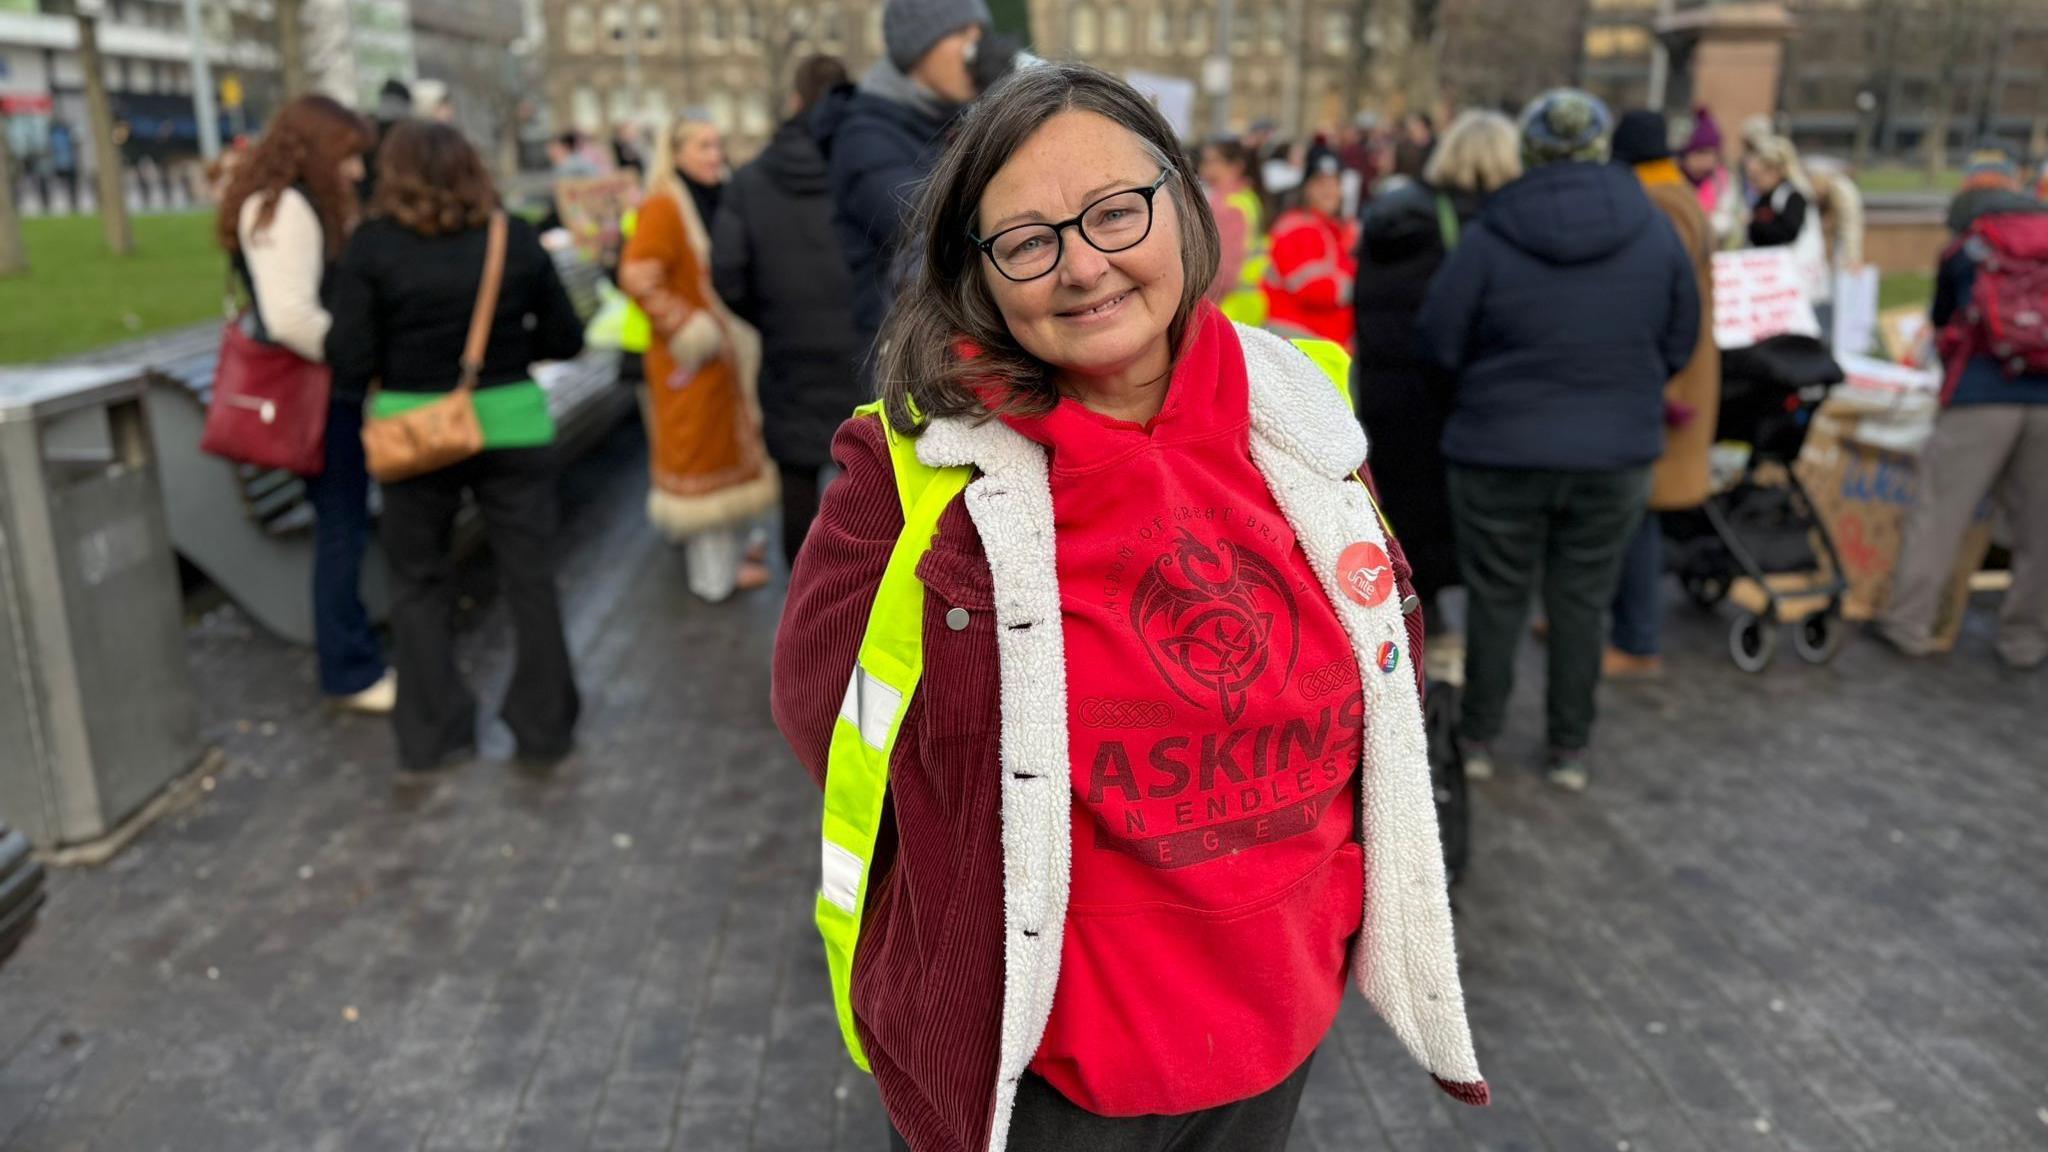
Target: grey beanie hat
(1565, 124)
(911, 27)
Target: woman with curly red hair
(289, 205)
(410, 281)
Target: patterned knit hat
(1990, 165)
(1565, 124)
(911, 27)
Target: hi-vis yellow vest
(1246, 303)
(885, 676)
(637, 334)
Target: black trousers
(1046, 1121)
(436, 713)
(1569, 528)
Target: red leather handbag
(269, 405)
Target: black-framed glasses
(1118, 221)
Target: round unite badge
(1365, 574)
(1390, 657)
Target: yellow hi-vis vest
(1246, 303)
(885, 676)
(637, 333)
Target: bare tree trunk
(13, 257)
(291, 48)
(113, 198)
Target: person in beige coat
(1679, 480)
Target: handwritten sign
(1759, 293)
(592, 206)
(1172, 95)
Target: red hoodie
(1215, 735)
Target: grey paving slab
(1799, 912)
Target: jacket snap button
(956, 619)
(1409, 605)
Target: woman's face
(1219, 173)
(1096, 314)
(700, 153)
(1762, 176)
(1324, 193)
(1700, 163)
(352, 168)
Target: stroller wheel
(1706, 589)
(1818, 637)
(1752, 641)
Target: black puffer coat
(775, 262)
(1402, 399)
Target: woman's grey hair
(921, 372)
(1480, 152)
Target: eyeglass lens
(1110, 225)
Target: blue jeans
(1638, 599)
(351, 659)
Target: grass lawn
(1909, 179)
(75, 297)
(1902, 288)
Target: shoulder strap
(486, 304)
(1447, 221)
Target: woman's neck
(1135, 394)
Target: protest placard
(1758, 294)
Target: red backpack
(2006, 317)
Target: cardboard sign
(1863, 494)
(592, 206)
(1172, 95)
(1759, 293)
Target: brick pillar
(1733, 54)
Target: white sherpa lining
(1306, 443)
(677, 516)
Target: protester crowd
(1222, 411)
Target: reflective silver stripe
(839, 878)
(1308, 273)
(870, 705)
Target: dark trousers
(350, 657)
(1046, 1121)
(799, 506)
(436, 714)
(1639, 594)
(1569, 528)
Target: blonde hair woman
(1406, 235)
(709, 468)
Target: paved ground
(1802, 911)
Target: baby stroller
(1757, 542)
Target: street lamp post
(1216, 71)
(1866, 127)
(202, 84)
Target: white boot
(376, 700)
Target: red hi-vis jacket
(1308, 288)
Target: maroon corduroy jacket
(928, 976)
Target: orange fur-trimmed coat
(709, 468)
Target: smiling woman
(1100, 608)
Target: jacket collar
(1293, 407)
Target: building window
(1116, 30)
(585, 110)
(651, 23)
(747, 32)
(1196, 42)
(875, 29)
(1276, 31)
(622, 105)
(1159, 31)
(829, 25)
(616, 28)
(579, 30)
(711, 26)
(1082, 39)
(1337, 33)
(1617, 41)
(754, 116)
(1244, 33)
(719, 108)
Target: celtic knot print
(1327, 679)
(1125, 714)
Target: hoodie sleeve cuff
(1475, 1094)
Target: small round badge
(1366, 574)
(1390, 657)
